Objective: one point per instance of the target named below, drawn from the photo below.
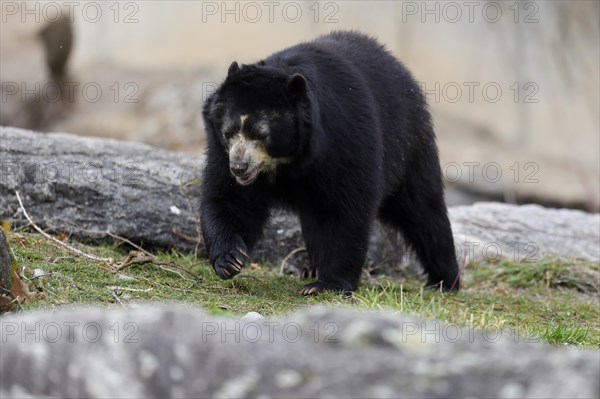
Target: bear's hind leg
(422, 218)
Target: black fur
(361, 145)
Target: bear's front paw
(320, 286)
(228, 264)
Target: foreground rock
(182, 352)
(96, 188)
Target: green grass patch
(553, 301)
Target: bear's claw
(230, 264)
(308, 272)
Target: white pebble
(252, 316)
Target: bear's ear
(296, 86)
(234, 67)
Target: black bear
(338, 131)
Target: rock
(91, 186)
(155, 351)
(525, 233)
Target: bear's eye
(256, 134)
(258, 131)
(228, 134)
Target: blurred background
(513, 86)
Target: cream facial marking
(248, 157)
(243, 119)
(237, 147)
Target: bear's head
(259, 117)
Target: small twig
(56, 241)
(118, 287)
(114, 294)
(127, 241)
(284, 260)
(138, 258)
(21, 228)
(177, 273)
(133, 258)
(187, 237)
(115, 236)
(183, 269)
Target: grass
(553, 301)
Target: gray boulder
(91, 186)
(182, 352)
(525, 233)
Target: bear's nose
(238, 168)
